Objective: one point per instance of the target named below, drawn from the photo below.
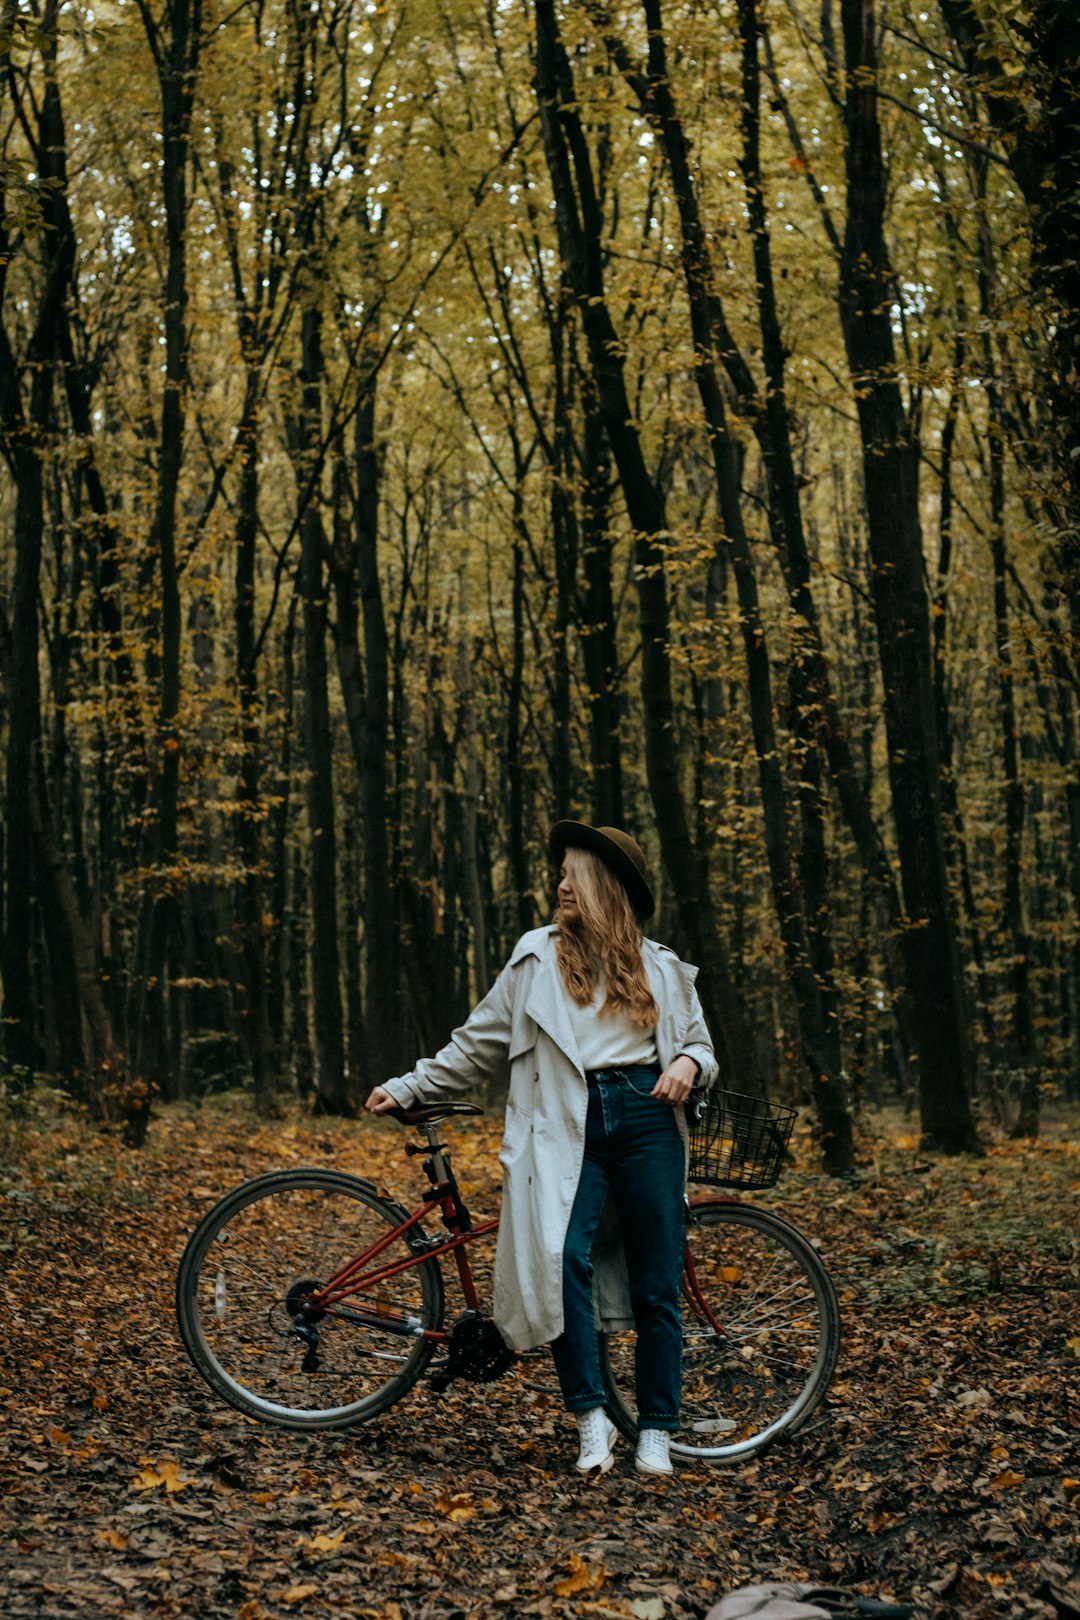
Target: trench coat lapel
(546, 1005)
(674, 980)
(673, 986)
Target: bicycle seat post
(440, 1168)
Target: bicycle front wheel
(761, 1334)
(240, 1298)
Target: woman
(605, 1039)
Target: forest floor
(943, 1469)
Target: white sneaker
(653, 1452)
(598, 1435)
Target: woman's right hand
(380, 1101)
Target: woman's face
(568, 906)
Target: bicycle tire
(254, 1253)
(772, 1364)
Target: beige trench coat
(523, 1023)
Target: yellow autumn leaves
(165, 1473)
(586, 1576)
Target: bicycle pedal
(440, 1378)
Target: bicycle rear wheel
(761, 1334)
(239, 1300)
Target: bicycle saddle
(430, 1113)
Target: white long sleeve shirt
(609, 1040)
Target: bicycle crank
(477, 1353)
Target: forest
(424, 420)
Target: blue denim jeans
(633, 1148)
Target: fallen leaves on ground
(943, 1467)
(583, 1577)
(166, 1473)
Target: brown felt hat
(617, 850)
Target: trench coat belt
(625, 1072)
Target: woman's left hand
(677, 1081)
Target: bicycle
(311, 1299)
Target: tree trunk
(596, 616)
(26, 436)
(332, 1091)
(515, 768)
(386, 1044)
(1023, 1044)
(890, 471)
(20, 1040)
(481, 971)
(251, 821)
(953, 829)
(176, 57)
(352, 836)
(564, 532)
(278, 957)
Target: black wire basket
(737, 1141)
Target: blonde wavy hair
(607, 938)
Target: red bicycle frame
(354, 1277)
